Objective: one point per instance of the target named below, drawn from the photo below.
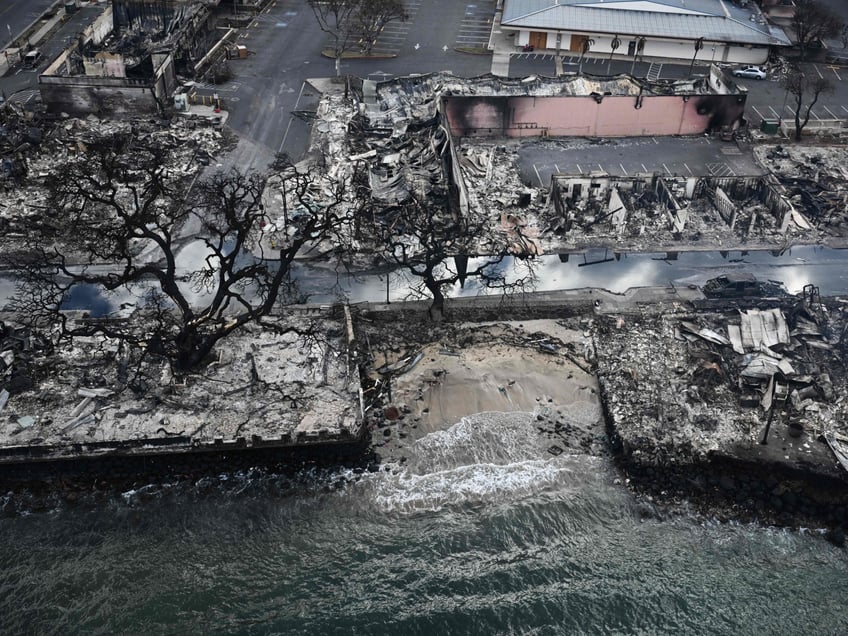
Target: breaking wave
(484, 458)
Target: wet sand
(505, 374)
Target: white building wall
(681, 50)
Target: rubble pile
(190, 142)
(265, 388)
(419, 96)
(814, 179)
(726, 381)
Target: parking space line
(833, 68)
(579, 169)
(845, 109)
(776, 114)
(815, 66)
(600, 167)
(666, 169)
(644, 169)
(813, 113)
(830, 111)
(688, 169)
(538, 176)
(623, 169)
(557, 169)
(754, 108)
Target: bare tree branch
(120, 218)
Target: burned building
(129, 58)
(568, 163)
(620, 106)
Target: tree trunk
(192, 348)
(437, 308)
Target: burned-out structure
(585, 106)
(526, 155)
(127, 61)
(668, 210)
(746, 403)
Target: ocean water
(480, 531)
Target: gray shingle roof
(681, 19)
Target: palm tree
(588, 43)
(613, 46)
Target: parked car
(32, 58)
(751, 72)
(742, 285)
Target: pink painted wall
(583, 116)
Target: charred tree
(373, 16)
(352, 23)
(337, 19)
(422, 237)
(804, 90)
(119, 222)
(813, 22)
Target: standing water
(482, 531)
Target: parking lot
(686, 157)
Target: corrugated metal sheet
(763, 328)
(577, 17)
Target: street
(17, 15)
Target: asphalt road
(16, 15)
(269, 85)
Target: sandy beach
(533, 366)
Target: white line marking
(600, 167)
(644, 168)
(818, 71)
(557, 169)
(776, 114)
(688, 168)
(831, 112)
(813, 113)
(579, 169)
(666, 169)
(291, 118)
(845, 109)
(754, 108)
(541, 183)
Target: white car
(751, 72)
